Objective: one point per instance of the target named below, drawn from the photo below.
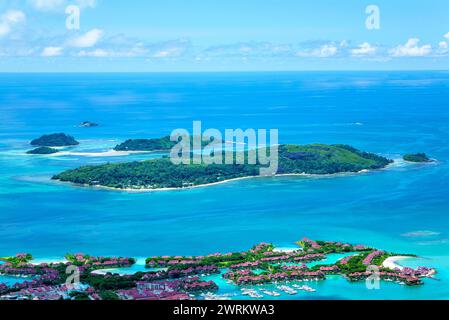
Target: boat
(287, 290)
(251, 293)
(308, 289)
(271, 293)
(212, 296)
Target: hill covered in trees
(55, 140)
(159, 144)
(317, 159)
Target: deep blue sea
(403, 209)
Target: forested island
(159, 144)
(317, 159)
(163, 144)
(55, 140)
(417, 157)
(43, 151)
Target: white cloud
(328, 51)
(86, 3)
(169, 49)
(97, 53)
(9, 19)
(325, 51)
(46, 5)
(447, 36)
(443, 48)
(364, 49)
(344, 43)
(87, 40)
(169, 52)
(246, 49)
(411, 49)
(138, 50)
(52, 52)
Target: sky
(226, 35)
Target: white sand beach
(37, 262)
(109, 153)
(143, 190)
(138, 190)
(287, 250)
(393, 262)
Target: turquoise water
(139, 266)
(387, 113)
(330, 259)
(9, 281)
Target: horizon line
(222, 71)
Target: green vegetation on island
(417, 157)
(316, 159)
(155, 145)
(188, 277)
(43, 151)
(21, 258)
(160, 144)
(55, 140)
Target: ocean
(403, 209)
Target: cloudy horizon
(35, 35)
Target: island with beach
(161, 173)
(292, 272)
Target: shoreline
(148, 190)
(109, 153)
(394, 262)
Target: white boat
(271, 293)
(255, 295)
(287, 290)
(308, 289)
(212, 296)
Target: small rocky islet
(417, 158)
(43, 151)
(55, 140)
(47, 144)
(88, 124)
